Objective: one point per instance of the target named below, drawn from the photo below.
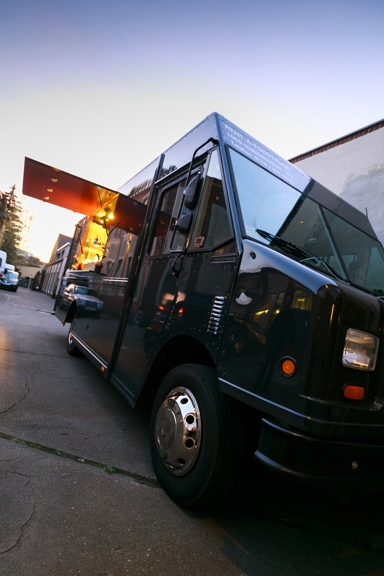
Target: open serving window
(106, 211)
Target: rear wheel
(72, 349)
(197, 436)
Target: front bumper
(293, 453)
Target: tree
(13, 226)
(28, 259)
(3, 207)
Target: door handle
(175, 269)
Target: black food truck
(242, 299)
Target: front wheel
(197, 436)
(72, 349)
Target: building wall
(55, 269)
(29, 271)
(353, 170)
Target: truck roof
(85, 197)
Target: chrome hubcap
(178, 431)
(70, 335)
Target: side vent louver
(216, 312)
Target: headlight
(360, 350)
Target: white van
(3, 260)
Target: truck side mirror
(190, 191)
(184, 223)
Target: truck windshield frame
(268, 203)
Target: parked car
(10, 280)
(86, 300)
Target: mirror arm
(194, 154)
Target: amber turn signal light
(287, 366)
(352, 392)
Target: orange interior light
(102, 368)
(352, 392)
(288, 367)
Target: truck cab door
(186, 274)
(209, 267)
(158, 280)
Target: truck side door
(185, 277)
(209, 267)
(157, 286)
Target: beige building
(352, 167)
(27, 271)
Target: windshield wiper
(288, 246)
(302, 253)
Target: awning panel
(60, 188)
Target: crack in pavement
(30, 308)
(151, 482)
(20, 474)
(21, 533)
(19, 401)
(34, 353)
(27, 387)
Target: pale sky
(99, 89)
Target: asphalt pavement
(78, 494)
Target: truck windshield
(281, 212)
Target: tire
(72, 349)
(197, 436)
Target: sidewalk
(71, 451)
(62, 402)
(78, 495)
